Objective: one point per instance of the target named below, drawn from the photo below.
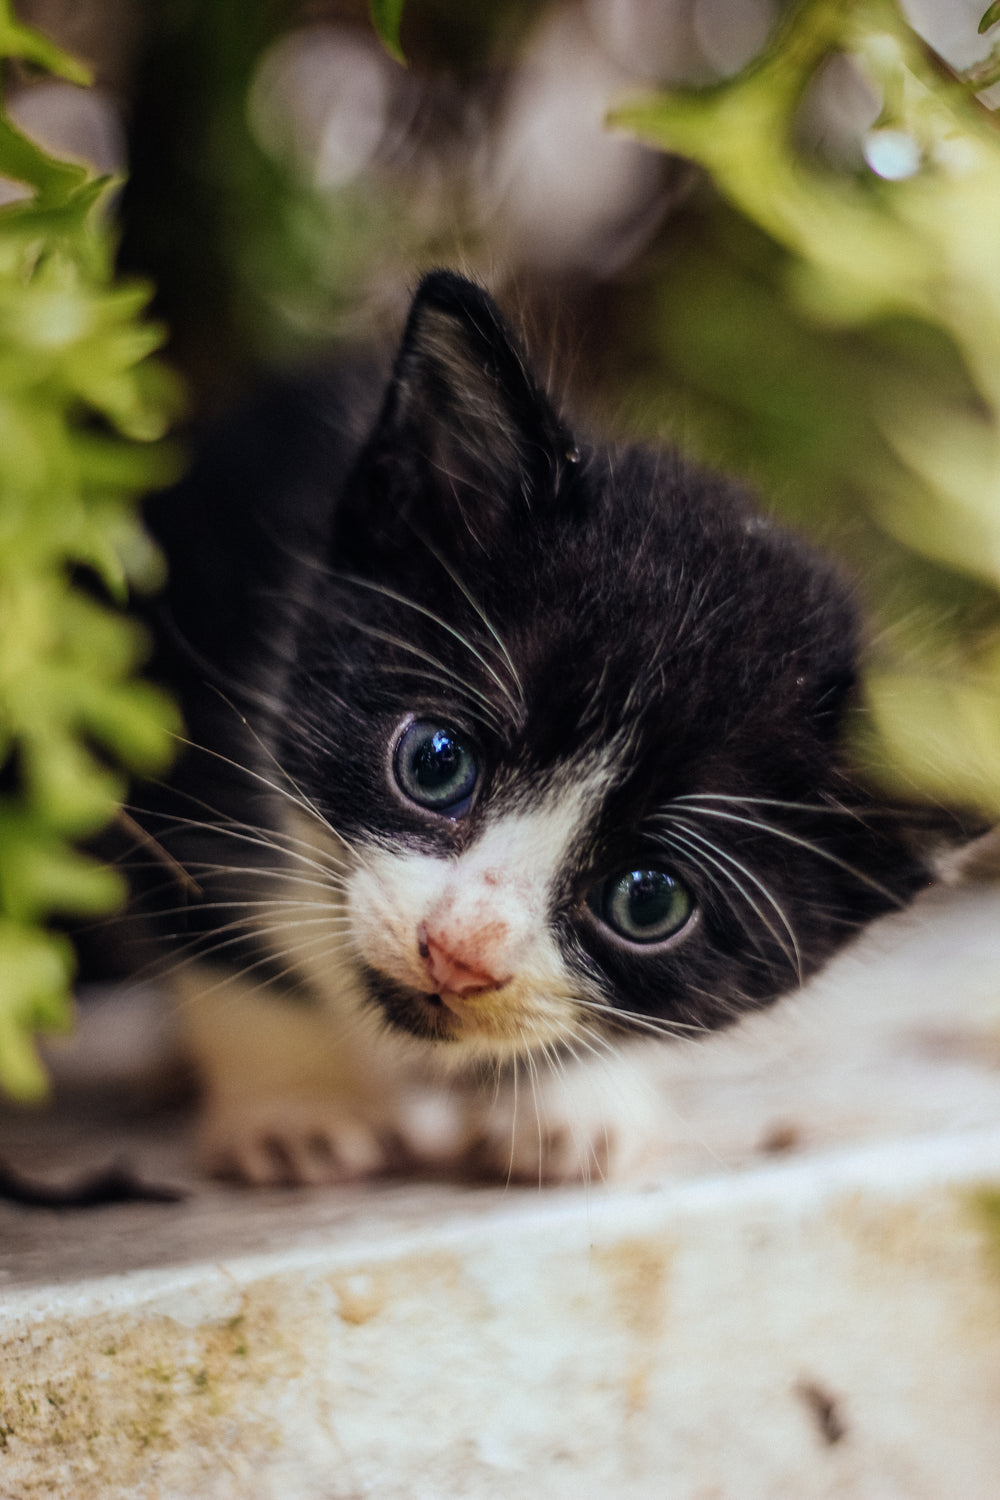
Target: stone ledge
(815, 1328)
(736, 1326)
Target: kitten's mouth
(425, 1015)
(411, 1010)
(439, 1016)
(448, 1001)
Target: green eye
(644, 906)
(436, 768)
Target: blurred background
(768, 232)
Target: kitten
(507, 755)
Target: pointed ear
(466, 440)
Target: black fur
(640, 602)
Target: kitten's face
(574, 717)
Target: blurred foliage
(833, 329)
(463, 39)
(257, 260)
(252, 265)
(81, 409)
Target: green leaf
(386, 16)
(26, 162)
(34, 979)
(990, 17)
(31, 47)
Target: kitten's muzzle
(453, 975)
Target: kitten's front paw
(563, 1140)
(291, 1142)
(529, 1152)
(583, 1122)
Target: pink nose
(453, 971)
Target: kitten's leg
(295, 1094)
(571, 1121)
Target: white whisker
(443, 674)
(429, 614)
(813, 848)
(257, 837)
(251, 872)
(508, 662)
(657, 1025)
(715, 855)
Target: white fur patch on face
(472, 931)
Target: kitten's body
(510, 753)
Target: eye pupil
(648, 896)
(436, 760)
(645, 906)
(435, 767)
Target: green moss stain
(985, 1203)
(235, 1326)
(133, 1401)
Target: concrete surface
(801, 1300)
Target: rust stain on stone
(359, 1298)
(365, 1294)
(637, 1273)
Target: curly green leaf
(82, 410)
(386, 17)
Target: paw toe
(290, 1147)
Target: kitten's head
(574, 713)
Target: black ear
(465, 440)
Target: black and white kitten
(512, 754)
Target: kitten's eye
(644, 906)
(436, 768)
